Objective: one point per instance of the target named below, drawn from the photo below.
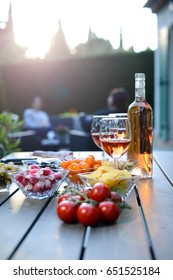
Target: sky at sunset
(36, 22)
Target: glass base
(142, 173)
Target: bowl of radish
(39, 182)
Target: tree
(94, 46)
(8, 126)
(9, 50)
(59, 48)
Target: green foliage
(9, 125)
(62, 129)
(68, 114)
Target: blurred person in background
(117, 102)
(35, 117)
(37, 120)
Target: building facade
(163, 69)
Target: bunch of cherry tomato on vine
(89, 206)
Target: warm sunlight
(36, 22)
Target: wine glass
(115, 136)
(95, 131)
(118, 115)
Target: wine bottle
(140, 115)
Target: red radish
(33, 180)
(20, 177)
(34, 166)
(46, 171)
(57, 176)
(51, 177)
(37, 179)
(25, 181)
(33, 171)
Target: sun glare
(34, 25)
(36, 22)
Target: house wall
(171, 83)
(165, 19)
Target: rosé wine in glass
(115, 136)
(95, 129)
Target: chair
(81, 141)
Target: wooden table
(30, 229)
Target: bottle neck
(140, 89)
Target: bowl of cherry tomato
(77, 166)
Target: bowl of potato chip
(119, 180)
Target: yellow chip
(108, 175)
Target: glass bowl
(5, 182)
(43, 162)
(39, 183)
(6, 169)
(128, 164)
(78, 166)
(73, 178)
(122, 185)
(124, 163)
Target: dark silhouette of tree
(59, 48)
(94, 46)
(121, 48)
(9, 51)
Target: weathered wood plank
(156, 195)
(165, 161)
(123, 240)
(16, 215)
(52, 239)
(7, 193)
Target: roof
(155, 5)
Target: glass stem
(104, 156)
(115, 163)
